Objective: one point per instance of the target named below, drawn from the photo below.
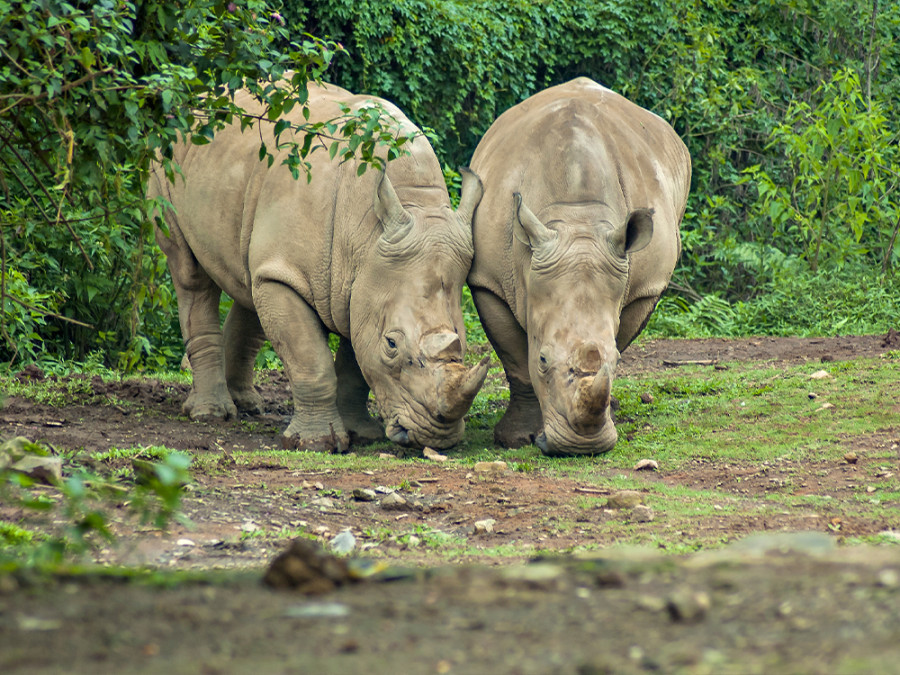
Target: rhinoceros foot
(300, 436)
(519, 425)
(364, 432)
(209, 407)
(247, 400)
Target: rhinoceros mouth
(430, 433)
(559, 439)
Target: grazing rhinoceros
(575, 239)
(379, 260)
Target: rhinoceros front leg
(353, 397)
(522, 420)
(198, 314)
(243, 338)
(300, 340)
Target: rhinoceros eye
(391, 344)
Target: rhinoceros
(378, 259)
(576, 237)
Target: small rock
(393, 502)
(185, 542)
(306, 567)
(317, 610)
(647, 465)
(249, 526)
(820, 375)
(485, 526)
(687, 605)
(343, 543)
(434, 455)
(651, 603)
(386, 455)
(871, 488)
(646, 397)
(364, 495)
(890, 534)
(825, 406)
(624, 499)
(323, 502)
(413, 541)
(44, 469)
(812, 395)
(851, 458)
(643, 514)
(889, 578)
(490, 467)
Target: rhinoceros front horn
(592, 398)
(394, 218)
(461, 390)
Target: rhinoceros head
(407, 325)
(575, 286)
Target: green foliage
(81, 501)
(90, 93)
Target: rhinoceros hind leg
(522, 421)
(300, 340)
(243, 338)
(353, 398)
(198, 314)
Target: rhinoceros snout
(397, 434)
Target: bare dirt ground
(796, 605)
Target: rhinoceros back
(238, 214)
(578, 143)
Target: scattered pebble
(317, 610)
(434, 455)
(364, 495)
(820, 375)
(306, 567)
(825, 406)
(643, 514)
(646, 397)
(851, 458)
(647, 465)
(889, 578)
(249, 526)
(490, 467)
(871, 488)
(323, 502)
(386, 455)
(624, 499)
(343, 543)
(185, 542)
(393, 502)
(687, 605)
(812, 395)
(485, 526)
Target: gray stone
(393, 502)
(364, 495)
(490, 467)
(687, 605)
(485, 526)
(317, 610)
(44, 469)
(647, 465)
(643, 514)
(624, 499)
(343, 543)
(323, 502)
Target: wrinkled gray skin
(576, 237)
(378, 260)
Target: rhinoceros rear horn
(396, 221)
(528, 228)
(470, 197)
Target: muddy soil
(805, 606)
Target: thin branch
(47, 312)
(34, 199)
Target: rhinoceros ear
(472, 192)
(636, 234)
(528, 229)
(396, 221)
